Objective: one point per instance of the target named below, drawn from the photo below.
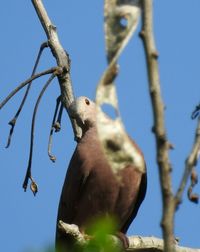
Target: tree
(136, 110)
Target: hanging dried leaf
(121, 20)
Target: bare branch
(159, 125)
(193, 197)
(28, 173)
(23, 84)
(57, 124)
(136, 243)
(190, 163)
(72, 230)
(153, 244)
(52, 157)
(62, 59)
(13, 121)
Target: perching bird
(91, 188)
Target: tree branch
(51, 156)
(159, 126)
(190, 163)
(23, 84)
(136, 243)
(28, 172)
(62, 59)
(13, 121)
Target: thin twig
(13, 121)
(28, 172)
(23, 84)
(193, 197)
(190, 163)
(52, 157)
(63, 61)
(159, 126)
(57, 124)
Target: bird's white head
(84, 111)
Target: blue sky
(28, 222)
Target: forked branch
(62, 71)
(13, 121)
(28, 173)
(26, 82)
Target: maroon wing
(71, 192)
(136, 206)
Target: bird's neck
(89, 134)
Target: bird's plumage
(91, 188)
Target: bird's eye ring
(87, 102)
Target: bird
(91, 188)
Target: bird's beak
(78, 117)
(81, 119)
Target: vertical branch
(62, 59)
(159, 126)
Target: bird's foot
(124, 239)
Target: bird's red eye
(87, 102)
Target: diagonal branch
(62, 59)
(26, 82)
